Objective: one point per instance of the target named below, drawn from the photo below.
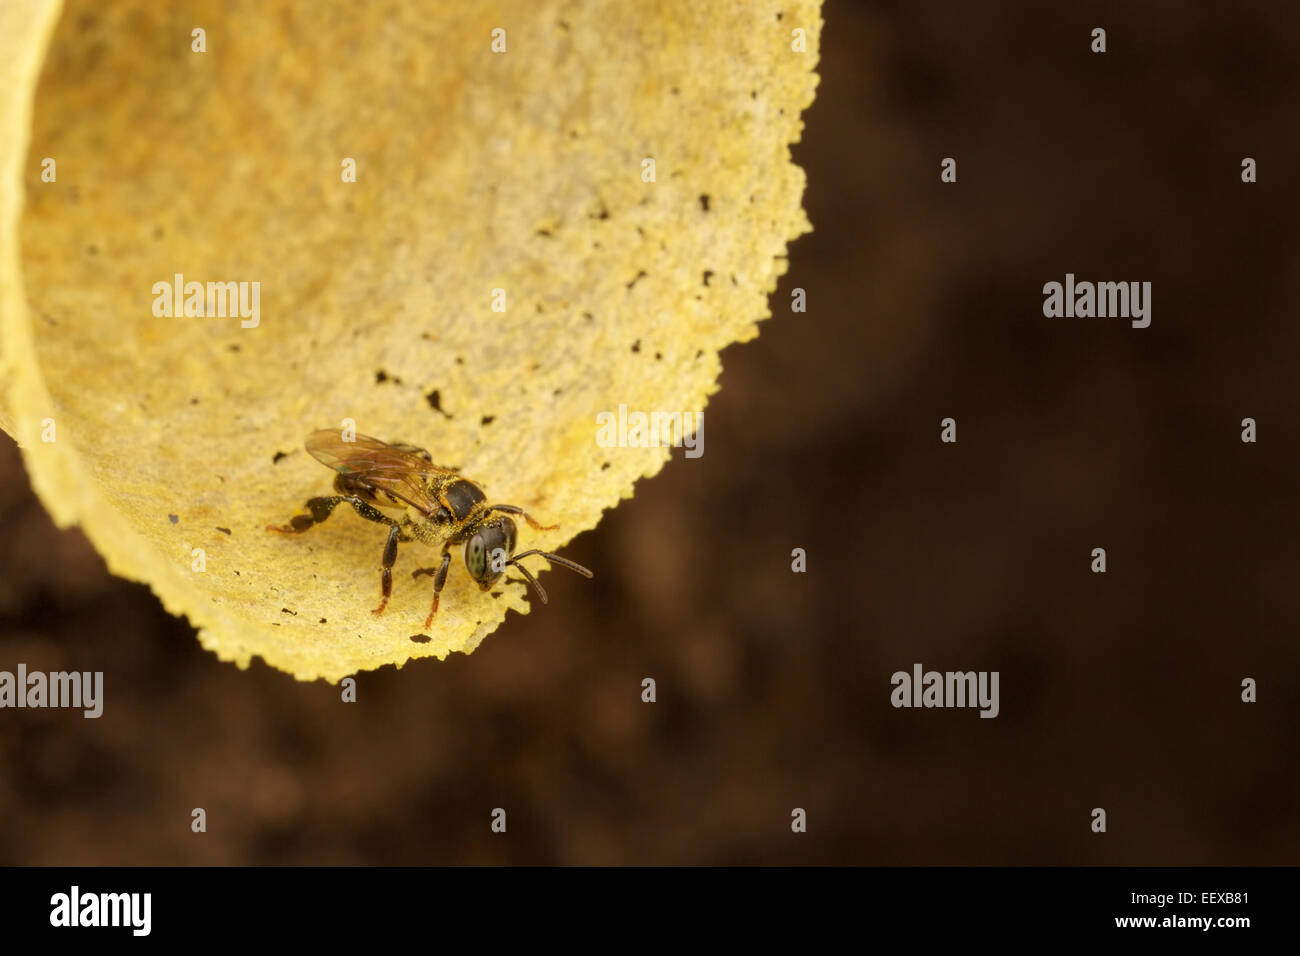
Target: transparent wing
(400, 473)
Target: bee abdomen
(359, 488)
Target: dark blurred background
(1119, 690)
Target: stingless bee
(449, 509)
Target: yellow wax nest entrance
(472, 227)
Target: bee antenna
(541, 591)
(562, 562)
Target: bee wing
(390, 469)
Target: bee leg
(321, 508)
(532, 522)
(386, 575)
(439, 579)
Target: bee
(437, 505)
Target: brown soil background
(1118, 691)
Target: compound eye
(476, 557)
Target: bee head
(488, 550)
